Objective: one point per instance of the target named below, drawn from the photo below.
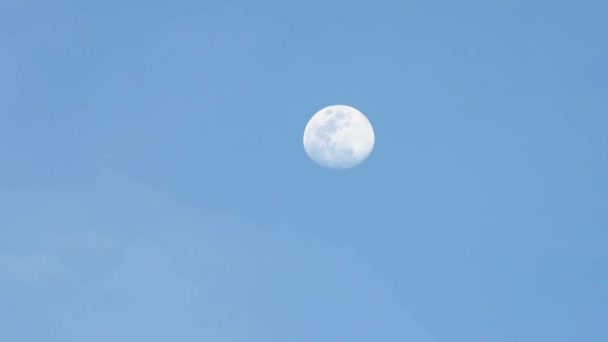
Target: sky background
(154, 186)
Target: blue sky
(154, 186)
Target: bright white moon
(338, 137)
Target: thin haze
(154, 186)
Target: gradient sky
(154, 186)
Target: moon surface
(338, 137)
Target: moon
(338, 137)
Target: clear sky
(154, 186)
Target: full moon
(338, 137)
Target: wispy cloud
(130, 263)
(32, 267)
